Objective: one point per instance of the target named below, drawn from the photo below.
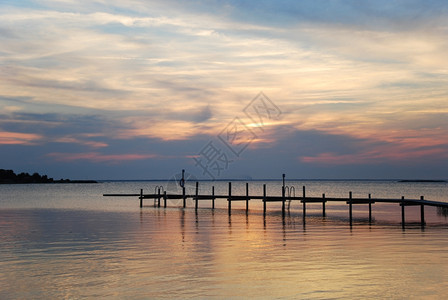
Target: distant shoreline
(52, 182)
(9, 177)
(424, 181)
(270, 179)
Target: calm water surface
(67, 241)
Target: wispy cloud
(71, 140)
(99, 158)
(17, 138)
(376, 156)
(89, 72)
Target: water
(67, 241)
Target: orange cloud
(92, 144)
(98, 157)
(165, 130)
(16, 138)
(333, 159)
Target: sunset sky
(224, 89)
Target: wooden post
(350, 208)
(283, 195)
(141, 197)
(402, 212)
(184, 198)
(158, 201)
(323, 206)
(370, 208)
(264, 199)
(422, 212)
(183, 189)
(196, 198)
(155, 199)
(164, 199)
(247, 195)
(213, 197)
(229, 200)
(304, 203)
(283, 177)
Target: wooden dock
(286, 198)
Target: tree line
(9, 177)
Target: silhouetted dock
(285, 199)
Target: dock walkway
(285, 199)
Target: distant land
(421, 180)
(9, 177)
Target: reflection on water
(89, 196)
(67, 241)
(176, 253)
(442, 211)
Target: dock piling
(402, 212)
(422, 212)
(158, 196)
(182, 184)
(229, 200)
(350, 208)
(164, 199)
(283, 195)
(323, 205)
(247, 195)
(304, 202)
(370, 208)
(141, 197)
(196, 198)
(213, 197)
(264, 199)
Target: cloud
(368, 78)
(375, 156)
(71, 140)
(99, 158)
(17, 138)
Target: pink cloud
(328, 158)
(92, 144)
(16, 138)
(98, 157)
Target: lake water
(67, 241)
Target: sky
(224, 89)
